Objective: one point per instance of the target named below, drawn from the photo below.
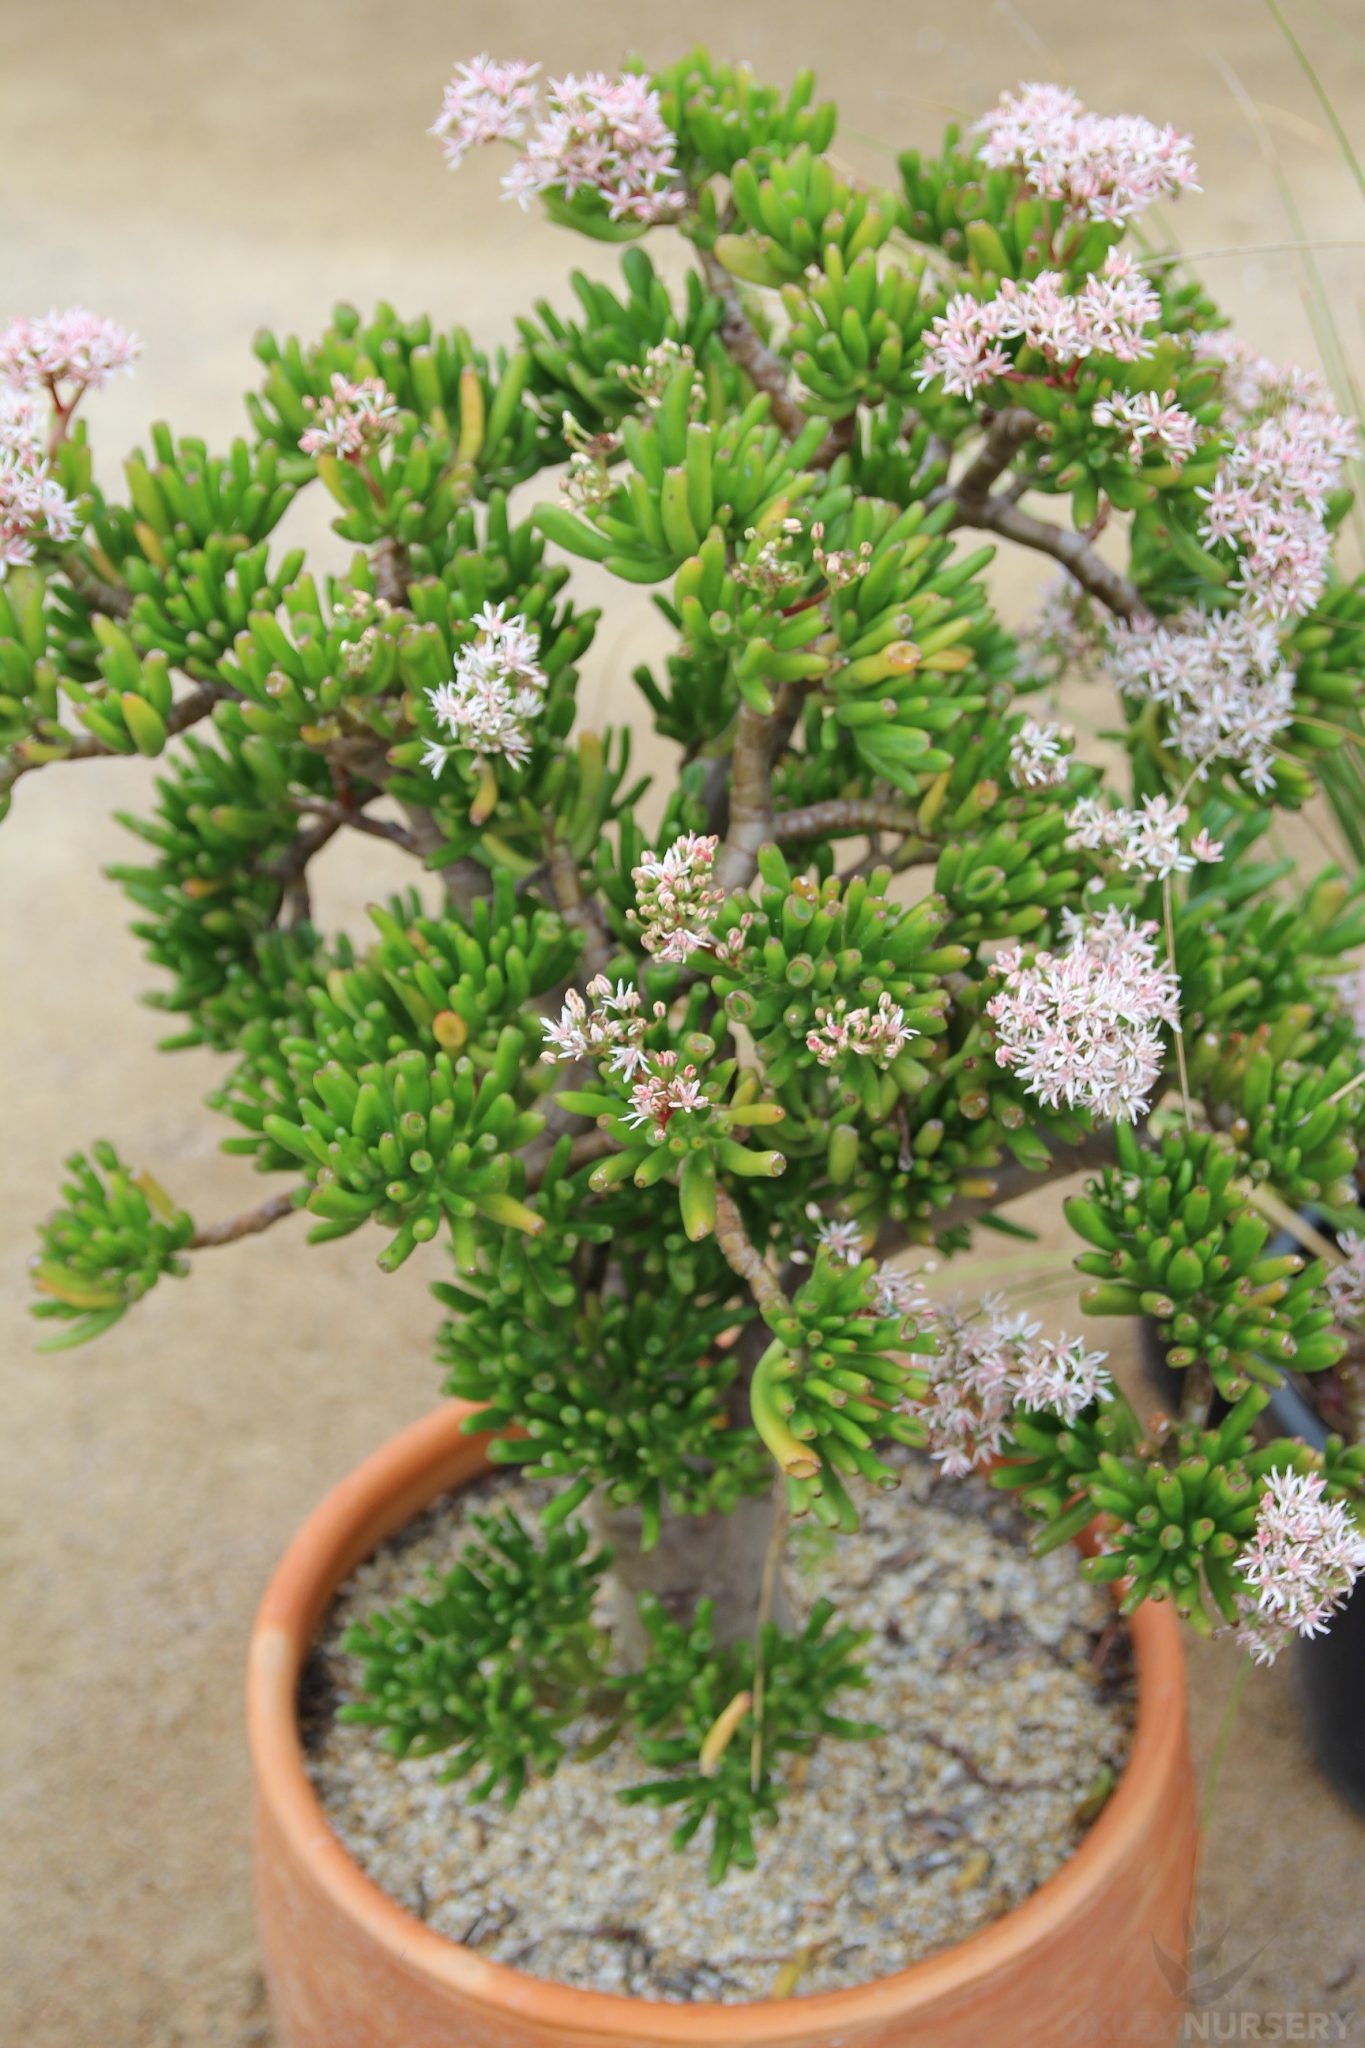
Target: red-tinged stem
(250, 1223)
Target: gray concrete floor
(197, 172)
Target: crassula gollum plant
(659, 1078)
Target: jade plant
(667, 1082)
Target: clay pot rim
(383, 1493)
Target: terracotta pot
(1094, 1955)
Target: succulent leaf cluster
(1177, 1238)
(694, 1707)
(629, 1396)
(115, 1235)
(652, 1072)
(493, 1666)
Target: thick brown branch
(1005, 436)
(790, 698)
(748, 348)
(742, 1255)
(837, 441)
(908, 852)
(198, 704)
(577, 909)
(751, 798)
(115, 600)
(464, 880)
(382, 828)
(974, 505)
(392, 570)
(841, 817)
(359, 821)
(249, 1224)
(760, 741)
(1073, 550)
(291, 869)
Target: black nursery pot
(1329, 1670)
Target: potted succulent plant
(661, 1104)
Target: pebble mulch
(1005, 1694)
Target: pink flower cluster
(611, 1031)
(872, 1033)
(1269, 498)
(676, 904)
(1346, 1282)
(965, 345)
(33, 505)
(352, 418)
(23, 422)
(75, 347)
(1227, 692)
(1084, 1027)
(662, 1091)
(605, 136)
(988, 1365)
(600, 135)
(1253, 387)
(1145, 418)
(484, 102)
(76, 350)
(895, 1292)
(841, 1236)
(838, 566)
(1039, 755)
(1143, 842)
(1305, 1555)
(1105, 167)
(497, 688)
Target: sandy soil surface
(197, 172)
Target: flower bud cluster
(1147, 419)
(33, 505)
(355, 416)
(676, 904)
(1346, 1282)
(1269, 498)
(876, 1032)
(485, 101)
(612, 1032)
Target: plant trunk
(697, 1557)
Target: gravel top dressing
(1005, 1695)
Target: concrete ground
(196, 172)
